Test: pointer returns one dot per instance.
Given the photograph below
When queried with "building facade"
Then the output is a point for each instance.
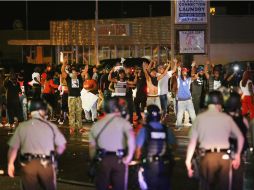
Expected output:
(231, 40)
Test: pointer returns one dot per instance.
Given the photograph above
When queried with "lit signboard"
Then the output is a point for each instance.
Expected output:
(191, 12)
(192, 42)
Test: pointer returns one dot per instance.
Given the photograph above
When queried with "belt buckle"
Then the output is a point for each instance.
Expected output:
(120, 153)
(156, 158)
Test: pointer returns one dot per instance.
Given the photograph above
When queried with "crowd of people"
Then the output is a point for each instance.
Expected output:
(72, 91)
(200, 94)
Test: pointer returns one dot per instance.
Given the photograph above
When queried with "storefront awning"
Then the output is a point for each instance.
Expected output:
(29, 42)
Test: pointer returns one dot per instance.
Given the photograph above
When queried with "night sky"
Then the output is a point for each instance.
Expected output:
(40, 13)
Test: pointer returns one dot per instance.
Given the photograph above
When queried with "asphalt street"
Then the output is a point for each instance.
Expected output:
(73, 164)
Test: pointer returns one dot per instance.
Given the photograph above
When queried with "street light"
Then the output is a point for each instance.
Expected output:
(212, 10)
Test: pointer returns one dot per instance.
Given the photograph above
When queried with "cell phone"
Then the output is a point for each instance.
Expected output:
(236, 68)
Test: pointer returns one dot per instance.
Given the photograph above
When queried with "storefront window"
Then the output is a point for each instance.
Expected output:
(104, 53)
(148, 51)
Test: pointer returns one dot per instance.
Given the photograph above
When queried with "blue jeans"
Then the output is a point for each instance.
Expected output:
(183, 106)
(164, 103)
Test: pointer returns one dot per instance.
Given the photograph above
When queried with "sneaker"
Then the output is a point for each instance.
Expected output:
(82, 130)
(72, 131)
(187, 125)
(60, 122)
(178, 129)
(88, 121)
(53, 119)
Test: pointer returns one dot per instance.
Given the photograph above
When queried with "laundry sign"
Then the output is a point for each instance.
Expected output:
(192, 41)
(191, 12)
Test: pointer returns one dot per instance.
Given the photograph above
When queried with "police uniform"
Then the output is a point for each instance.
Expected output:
(111, 146)
(212, 130)
(154, 140)
(36, 139)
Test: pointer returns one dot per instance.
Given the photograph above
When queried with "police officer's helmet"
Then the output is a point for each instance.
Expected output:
(152, 113)
(37, 104)
(116, 104)
(214, 97)
(233, 104)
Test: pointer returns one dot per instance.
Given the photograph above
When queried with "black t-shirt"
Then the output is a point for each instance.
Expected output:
(129, 89)
(141, 86)
(13, 90)
(104, 82)
(74, 86)
(198, 85)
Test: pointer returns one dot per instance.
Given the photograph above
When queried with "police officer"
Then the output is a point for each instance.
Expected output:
(212, 130)
(153, 143)
(109, 140)
(36, 139)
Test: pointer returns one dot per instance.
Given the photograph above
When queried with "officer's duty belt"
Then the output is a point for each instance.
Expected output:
(102, 153)
(28, 157)
(216, 150)
(154, 159)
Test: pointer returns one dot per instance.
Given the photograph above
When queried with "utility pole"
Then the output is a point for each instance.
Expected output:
(96, 45)
(208, 30)
(27, 36)
(150, 10)
(172, 31)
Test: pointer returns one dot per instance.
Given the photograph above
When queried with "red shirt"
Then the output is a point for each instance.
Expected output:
(49, 87)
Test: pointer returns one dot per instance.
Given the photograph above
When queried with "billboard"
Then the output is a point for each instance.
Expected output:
(191, 12)
(192, 41)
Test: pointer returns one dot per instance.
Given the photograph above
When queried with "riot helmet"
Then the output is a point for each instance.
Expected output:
(37, 104)
(233, 104)
(214, 97)
(116, 104)
(152, 113)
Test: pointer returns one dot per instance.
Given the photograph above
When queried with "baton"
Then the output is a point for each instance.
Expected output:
(126, 175)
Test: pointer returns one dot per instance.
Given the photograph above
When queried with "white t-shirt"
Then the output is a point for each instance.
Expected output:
(37, 76)
(163, 83)
(95, 76)
(216, 84)
(245, 89)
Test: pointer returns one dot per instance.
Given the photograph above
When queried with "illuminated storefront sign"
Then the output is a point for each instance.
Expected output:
(114, 30)
(191, 12)
(192, 41)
